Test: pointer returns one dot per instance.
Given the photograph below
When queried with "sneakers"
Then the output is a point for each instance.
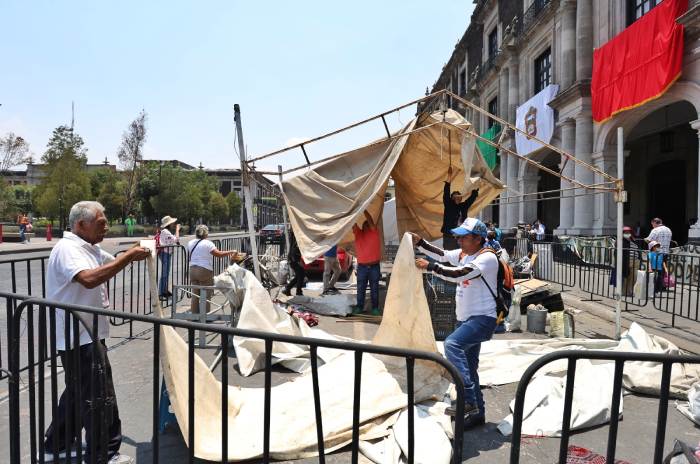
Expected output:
(330, 291)
(473, 421)
(376, 312)
(287, 292)
(469, 410)
(120, 459)
(357, 309)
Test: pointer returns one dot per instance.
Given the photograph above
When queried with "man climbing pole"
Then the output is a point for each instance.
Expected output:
(455, 211)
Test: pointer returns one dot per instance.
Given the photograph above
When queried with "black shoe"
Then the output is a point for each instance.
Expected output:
(287, 292)
(300, 293)
(469, 410)
(333, 291)
(474, 421)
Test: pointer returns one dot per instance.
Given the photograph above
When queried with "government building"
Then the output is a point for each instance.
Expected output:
(520, 51)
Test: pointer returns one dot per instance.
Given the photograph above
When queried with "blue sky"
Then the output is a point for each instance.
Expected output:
(298, 69)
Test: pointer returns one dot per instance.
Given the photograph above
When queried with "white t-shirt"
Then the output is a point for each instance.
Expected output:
(201, 256)
(71, 255)
(473, 298)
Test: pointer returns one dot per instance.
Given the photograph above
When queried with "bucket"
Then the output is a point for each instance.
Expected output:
(536, 319)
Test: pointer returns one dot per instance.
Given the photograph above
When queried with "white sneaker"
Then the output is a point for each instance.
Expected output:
(120, 459)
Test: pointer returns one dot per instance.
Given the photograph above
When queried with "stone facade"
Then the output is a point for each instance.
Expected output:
(660, 136)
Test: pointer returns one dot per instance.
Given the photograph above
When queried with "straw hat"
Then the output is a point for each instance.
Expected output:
(166, 221)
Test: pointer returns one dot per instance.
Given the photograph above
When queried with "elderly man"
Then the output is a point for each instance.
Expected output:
(476, 273)
(77, 273)
(660, 233)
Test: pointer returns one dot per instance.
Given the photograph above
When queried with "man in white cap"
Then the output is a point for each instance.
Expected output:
(476, 274)
(168, 237)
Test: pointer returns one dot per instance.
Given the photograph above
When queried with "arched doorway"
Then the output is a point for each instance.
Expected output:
(548, 186)
(661, 163)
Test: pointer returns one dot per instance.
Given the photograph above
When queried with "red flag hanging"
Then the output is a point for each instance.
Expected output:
(640, 63)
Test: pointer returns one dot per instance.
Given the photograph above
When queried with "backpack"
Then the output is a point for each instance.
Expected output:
(505, 283)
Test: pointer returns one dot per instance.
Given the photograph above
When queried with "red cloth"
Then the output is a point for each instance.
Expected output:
(367, 245)
(640, 63)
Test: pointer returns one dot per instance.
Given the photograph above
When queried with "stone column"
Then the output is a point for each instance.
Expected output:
(513, 89)
(567, 204)
(694, 231)
(584, 39)
(583, 204)
(514, 184)
(527, 210)
(605, 211)
(503, 90)
(567, 12)
(503, 175)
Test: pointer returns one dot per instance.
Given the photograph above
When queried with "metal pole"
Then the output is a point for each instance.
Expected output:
(284, 212)
(245, 185)
(620, 199)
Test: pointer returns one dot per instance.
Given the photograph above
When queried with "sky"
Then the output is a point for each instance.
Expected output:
(297, 69)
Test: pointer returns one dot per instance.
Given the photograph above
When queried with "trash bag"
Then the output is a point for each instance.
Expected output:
(643, 286)
(669, 280)
(513, 321)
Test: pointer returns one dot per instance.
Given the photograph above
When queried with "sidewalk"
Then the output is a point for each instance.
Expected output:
(40, 244)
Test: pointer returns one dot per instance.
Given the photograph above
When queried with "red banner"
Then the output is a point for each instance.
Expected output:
(640, 63)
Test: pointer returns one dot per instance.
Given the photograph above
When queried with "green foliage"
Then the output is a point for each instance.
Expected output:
(234, 206)
(108, 188)
(217, 209)
(66, 181)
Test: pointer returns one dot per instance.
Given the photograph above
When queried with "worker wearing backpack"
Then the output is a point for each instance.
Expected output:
(477, 306)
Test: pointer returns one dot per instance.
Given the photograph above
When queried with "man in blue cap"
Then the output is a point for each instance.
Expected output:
(476, 274)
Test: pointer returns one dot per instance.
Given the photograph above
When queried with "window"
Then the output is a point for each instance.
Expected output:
(543, 70)
(493, 43)
(463, 82)
(493, 109)
(638, 8)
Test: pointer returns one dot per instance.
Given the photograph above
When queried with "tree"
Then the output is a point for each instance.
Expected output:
(130, 154)
(107, 187)
(234, 205)
(14, 150)
(217, 208)
(66, 181)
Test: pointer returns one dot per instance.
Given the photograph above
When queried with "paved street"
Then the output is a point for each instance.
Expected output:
(132, 363)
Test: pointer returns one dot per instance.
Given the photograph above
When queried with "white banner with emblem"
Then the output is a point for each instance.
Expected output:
(536, 118)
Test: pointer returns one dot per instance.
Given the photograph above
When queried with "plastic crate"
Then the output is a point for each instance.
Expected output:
(436, 288)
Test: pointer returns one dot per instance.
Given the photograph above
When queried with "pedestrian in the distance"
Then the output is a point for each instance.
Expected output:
(661, 234)
(657, 265)
(22, 222)
(369, 254)
(296, 263)
(77, 273)
(130, 222)
(331, 271)
(491, 241)
(455, 211)
(168, 237)
(202, 252)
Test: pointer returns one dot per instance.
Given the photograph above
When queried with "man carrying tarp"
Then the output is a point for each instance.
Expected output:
(476, 273)
(455, 211)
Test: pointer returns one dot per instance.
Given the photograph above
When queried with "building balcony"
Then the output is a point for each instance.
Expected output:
(533, 13)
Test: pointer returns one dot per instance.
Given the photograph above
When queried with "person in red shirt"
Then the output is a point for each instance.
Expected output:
(368, 249)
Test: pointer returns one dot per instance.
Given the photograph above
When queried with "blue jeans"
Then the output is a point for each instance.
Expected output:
(22, 231)
(462, 349)
(364, 273)
(164, 272)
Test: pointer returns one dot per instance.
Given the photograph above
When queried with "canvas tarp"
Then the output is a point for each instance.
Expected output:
(406, 323)
(326, 201)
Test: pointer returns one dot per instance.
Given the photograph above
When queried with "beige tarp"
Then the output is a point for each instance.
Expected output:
(325, 202)
(406, 323)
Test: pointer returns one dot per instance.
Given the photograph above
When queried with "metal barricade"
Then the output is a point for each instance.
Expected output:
(26, 429)
(678, 293)
(619, 358)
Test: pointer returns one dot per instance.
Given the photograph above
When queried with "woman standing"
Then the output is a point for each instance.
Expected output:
(202, 252)
(168, 237)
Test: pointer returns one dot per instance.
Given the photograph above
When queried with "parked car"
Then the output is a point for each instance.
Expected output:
(272, 233)
(344, 258)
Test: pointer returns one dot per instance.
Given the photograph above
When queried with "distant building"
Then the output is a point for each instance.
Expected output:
(512, 49)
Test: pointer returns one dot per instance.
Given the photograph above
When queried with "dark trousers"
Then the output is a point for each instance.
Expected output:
(659, 281)
(104, 406)
(372, 274)
(299, 276)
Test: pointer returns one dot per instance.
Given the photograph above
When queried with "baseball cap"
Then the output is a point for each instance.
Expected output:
(652, 244)
(471, 226)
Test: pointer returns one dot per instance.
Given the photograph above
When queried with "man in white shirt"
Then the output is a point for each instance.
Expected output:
(539, 230)
(660, 233)
(77, 273)
(476, 274)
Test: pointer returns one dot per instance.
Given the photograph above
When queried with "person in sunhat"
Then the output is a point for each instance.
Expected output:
(476, 273)
(168, 237)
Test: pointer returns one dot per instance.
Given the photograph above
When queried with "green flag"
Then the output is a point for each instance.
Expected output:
(489, 152)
